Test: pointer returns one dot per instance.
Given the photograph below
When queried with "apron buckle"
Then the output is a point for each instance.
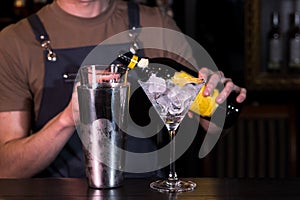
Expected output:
(51, 56)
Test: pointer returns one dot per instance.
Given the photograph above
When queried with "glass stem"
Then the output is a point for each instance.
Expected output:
(172, 174)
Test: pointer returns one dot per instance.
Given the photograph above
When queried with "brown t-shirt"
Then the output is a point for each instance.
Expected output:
(22, 58)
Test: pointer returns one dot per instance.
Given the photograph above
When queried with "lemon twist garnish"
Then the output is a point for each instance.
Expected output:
(182, 78)
(205, 105)
(202, 105)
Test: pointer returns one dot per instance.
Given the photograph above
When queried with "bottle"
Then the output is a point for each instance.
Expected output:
(131, 60)
(294, 43)
(167, 69)
(145, 67)
(275, 45)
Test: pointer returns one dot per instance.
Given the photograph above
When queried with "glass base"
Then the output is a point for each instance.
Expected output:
(170, 186)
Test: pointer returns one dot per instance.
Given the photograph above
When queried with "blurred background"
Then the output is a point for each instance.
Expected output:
(252, 42)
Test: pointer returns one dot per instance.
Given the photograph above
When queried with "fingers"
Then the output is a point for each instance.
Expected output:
(211, 78)
(242, 95)
(228, 88)
(108, 78)
(102, 76)
(214, 78)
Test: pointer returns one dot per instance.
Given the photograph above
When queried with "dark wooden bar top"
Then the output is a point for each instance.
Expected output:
(207, 188)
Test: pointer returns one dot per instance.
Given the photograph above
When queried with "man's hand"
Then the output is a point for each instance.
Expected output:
(215, 78)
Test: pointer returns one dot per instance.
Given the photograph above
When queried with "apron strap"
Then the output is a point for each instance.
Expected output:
(134, 24)
(133, 15)
(38, 28)
(41, 36)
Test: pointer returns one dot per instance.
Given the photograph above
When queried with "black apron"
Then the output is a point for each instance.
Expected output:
(57, 92)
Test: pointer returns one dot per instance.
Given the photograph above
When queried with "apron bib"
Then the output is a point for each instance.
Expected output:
(61, 67)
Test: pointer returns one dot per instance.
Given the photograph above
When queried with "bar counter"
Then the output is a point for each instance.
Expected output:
(207, 188)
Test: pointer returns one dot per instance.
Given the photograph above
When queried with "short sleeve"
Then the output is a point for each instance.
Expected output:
(14, 87)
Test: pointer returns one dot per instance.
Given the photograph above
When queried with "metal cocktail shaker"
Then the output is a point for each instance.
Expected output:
(103, 120)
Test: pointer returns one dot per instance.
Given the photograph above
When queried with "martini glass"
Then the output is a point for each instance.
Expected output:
(171, 101)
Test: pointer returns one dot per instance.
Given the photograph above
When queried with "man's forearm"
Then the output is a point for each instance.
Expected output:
(24, 157)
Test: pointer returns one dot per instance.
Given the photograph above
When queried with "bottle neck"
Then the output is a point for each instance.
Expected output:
(297, 19)
(132, 61)
(275, 19)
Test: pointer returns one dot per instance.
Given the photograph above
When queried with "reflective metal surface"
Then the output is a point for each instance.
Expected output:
(102, 125)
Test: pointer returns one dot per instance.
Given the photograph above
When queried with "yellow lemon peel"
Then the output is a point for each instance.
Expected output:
(182, 78)
(202, 105)
(205, 105)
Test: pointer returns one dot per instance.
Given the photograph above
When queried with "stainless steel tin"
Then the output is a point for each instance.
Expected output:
(103, 122)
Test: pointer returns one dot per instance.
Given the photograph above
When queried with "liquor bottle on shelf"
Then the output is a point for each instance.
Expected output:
(294, 43)
(169, 69)
(275, 45)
